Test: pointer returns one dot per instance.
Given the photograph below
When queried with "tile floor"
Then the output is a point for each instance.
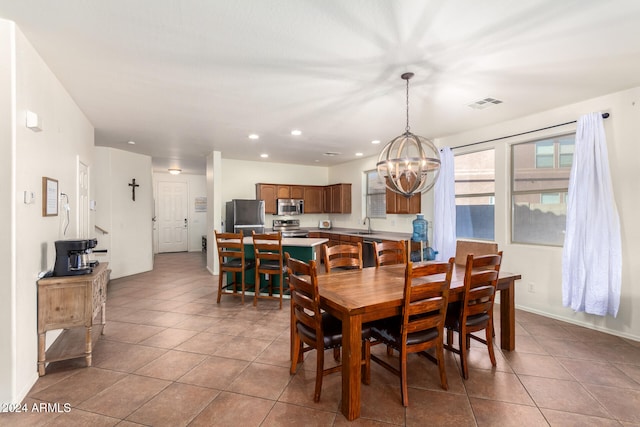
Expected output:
(171, 356)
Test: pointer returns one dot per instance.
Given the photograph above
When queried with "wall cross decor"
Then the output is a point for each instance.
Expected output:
(133, 186)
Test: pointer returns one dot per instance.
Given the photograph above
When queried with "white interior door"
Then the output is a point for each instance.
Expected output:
(83, 201)
(172, 217)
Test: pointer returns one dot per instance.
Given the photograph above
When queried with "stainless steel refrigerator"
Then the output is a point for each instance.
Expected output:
(243, 216)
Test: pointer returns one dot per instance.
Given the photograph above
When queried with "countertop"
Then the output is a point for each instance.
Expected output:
(375, 235)
(304, 242)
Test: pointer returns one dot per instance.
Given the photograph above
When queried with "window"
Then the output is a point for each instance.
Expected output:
(475, 195)
(539, 185)
(376, 195)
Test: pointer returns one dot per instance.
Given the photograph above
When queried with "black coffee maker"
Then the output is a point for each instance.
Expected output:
(72, 257)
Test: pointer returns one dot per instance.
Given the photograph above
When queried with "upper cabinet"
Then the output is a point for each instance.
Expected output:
(268, 193)
(337, 198)
(283, 192)
(313, 199)
(297, 192)
(399, 204)
(317, 199)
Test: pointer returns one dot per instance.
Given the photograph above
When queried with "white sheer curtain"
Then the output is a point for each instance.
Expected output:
(592, 254)
(444, 216)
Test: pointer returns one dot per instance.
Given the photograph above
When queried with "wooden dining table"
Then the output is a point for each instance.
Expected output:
(360, 296)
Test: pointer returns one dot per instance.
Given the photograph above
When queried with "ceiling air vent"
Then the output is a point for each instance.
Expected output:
(331, 153)
(484, 103)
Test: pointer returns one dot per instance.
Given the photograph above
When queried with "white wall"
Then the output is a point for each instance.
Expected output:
(7, 208)
(65, 139)
(128, 222)
(196, 187)
(541, 265)
(239, 180)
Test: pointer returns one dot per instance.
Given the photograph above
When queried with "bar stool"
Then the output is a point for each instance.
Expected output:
(267, 249)
(231, 258)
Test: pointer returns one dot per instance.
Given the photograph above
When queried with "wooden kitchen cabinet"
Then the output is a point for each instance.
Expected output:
(399, 204)
(283, 192)
(297, 192)
(313, 199)
(317, 199)
(337, 198)
(69, 303)
(268, 193)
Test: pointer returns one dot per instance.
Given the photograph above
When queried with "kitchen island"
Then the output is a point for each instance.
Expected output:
(302, 248)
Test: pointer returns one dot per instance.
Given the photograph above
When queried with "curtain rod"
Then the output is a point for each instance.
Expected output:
(604, 116)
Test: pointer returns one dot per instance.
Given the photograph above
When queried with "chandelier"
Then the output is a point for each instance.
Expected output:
(409, 164)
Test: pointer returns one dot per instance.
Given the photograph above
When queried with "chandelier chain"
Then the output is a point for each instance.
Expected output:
(407, 127)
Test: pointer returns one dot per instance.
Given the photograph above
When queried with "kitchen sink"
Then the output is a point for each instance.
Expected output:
(365, 232)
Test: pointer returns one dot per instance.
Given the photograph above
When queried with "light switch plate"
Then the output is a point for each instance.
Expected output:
(29, 197)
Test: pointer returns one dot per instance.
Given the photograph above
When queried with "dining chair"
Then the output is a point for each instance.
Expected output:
(421, 324)
(466, 247)
(232, 261)
(476, 311)
(267, 249)
(343, 256)
(313, 329)
(390, 252)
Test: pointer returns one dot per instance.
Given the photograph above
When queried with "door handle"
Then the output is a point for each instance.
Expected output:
(185, 222)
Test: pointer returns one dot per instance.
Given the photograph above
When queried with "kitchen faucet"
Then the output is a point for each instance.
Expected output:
(367, 220)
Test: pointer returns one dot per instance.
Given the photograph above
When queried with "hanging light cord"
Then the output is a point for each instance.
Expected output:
(407, 127)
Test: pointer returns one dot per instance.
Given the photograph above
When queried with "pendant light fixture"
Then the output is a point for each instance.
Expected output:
(409, 164)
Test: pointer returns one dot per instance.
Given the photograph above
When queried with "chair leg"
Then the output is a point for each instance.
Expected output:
(297, 351)
(403, 378)
(463, 352)
(336, 354)
(366, 368)
(443, 372)
(281, 280)
(389, 350)
(220, 279)
(242, 286)
(492, 354)
(319, 373)
(256, 288)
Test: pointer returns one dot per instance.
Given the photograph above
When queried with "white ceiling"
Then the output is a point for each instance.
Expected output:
(184, 78)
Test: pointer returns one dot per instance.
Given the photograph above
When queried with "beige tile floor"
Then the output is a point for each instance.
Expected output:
(171, 356)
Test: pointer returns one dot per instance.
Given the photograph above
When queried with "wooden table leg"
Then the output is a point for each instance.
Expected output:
(351, 373)
(87, 350)
(508, 317)
(41, 352)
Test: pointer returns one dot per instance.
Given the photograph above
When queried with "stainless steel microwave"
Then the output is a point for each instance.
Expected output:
(290, 206)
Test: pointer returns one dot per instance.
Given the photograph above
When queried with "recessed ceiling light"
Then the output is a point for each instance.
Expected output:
(359, 154)
(254, 136)
(175, 171)
(131, 143)
(296, 132)
(264, 155)
(375, 141)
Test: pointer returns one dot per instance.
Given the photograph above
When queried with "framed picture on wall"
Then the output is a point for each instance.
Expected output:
(49, 196)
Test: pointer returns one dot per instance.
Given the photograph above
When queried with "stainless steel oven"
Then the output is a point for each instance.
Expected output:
(290, 207)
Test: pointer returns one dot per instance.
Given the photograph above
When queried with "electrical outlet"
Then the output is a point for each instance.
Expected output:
(531, 287)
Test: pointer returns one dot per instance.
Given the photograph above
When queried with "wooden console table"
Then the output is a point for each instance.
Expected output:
(68, 302)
